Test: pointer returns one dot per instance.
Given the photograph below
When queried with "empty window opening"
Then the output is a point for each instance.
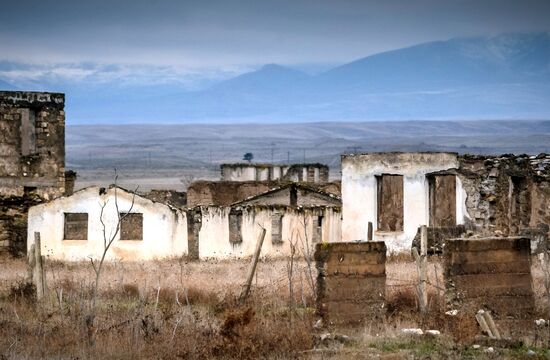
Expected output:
(520, 204)
(318, 229)
(235, 226)
(131, 226)
(293, 196)
(276, 228)
(76, 226)
(442, 200)
(28, 132)
(390, 202)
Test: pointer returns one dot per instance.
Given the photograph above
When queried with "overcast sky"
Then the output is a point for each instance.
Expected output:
(228, 36)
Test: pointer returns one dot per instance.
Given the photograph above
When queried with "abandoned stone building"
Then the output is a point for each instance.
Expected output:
(225, 193)
(292, 213)
(71, 227)
(32, 159)
(398, 192)
(312, 173)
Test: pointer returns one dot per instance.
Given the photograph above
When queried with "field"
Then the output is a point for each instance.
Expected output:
(177, 309)
(169, 156)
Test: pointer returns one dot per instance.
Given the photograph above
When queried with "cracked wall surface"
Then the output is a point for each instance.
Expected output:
(491, 195)
(32, 159)
(507, 193)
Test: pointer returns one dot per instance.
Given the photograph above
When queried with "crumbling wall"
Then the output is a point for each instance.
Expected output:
(491, 274)
(313, 173)
(228, 232)
(295, 194)
(173, 198)
(437, 237)
(32, 158)
(225, 193)
(351, 282)
(507, 193)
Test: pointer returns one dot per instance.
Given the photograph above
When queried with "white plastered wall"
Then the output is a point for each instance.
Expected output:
(164, 228)
(359, 193)
(214, 234)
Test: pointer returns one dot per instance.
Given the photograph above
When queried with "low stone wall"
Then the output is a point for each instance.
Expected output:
(351, 282)
(491, 274)
(437, 236)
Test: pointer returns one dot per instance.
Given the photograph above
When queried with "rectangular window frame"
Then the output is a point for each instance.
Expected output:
(69, 223)
(277, 228)
(318, 228)
(126, 220)
(386, 184)
(435, 210)
(235, 223)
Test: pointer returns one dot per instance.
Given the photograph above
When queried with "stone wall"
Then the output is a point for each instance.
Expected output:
(174, 198)
(491, 274)
(32, 158)
(351, 282)
(224, 193)
(507, 193)
(312, 173)
(231, 232)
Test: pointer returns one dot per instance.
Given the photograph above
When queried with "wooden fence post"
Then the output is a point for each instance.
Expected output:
(38, 271)
(422, 268)
(369, 232)
(252, 269)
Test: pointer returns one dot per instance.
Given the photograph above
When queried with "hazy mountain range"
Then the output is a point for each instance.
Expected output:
(501, 77)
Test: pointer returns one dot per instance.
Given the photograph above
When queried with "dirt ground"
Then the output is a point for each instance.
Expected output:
(184, 309)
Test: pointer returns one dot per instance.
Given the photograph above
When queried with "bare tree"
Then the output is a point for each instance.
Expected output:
(187, 180)
(308, 254)
(290, 273)
(108, 240)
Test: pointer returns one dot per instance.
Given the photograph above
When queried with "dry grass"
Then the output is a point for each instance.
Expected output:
(161, 309)
(177, 309)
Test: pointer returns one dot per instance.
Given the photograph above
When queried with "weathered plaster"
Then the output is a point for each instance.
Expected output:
(164, 227)
(32, 159)
(214, 234)
(359, 193)
(315, 173)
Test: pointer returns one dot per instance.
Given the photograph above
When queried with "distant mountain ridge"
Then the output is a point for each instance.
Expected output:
(501, 77)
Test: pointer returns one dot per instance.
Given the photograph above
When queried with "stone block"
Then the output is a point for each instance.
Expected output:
(351, 282)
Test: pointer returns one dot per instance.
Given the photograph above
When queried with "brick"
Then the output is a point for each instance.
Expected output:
(490, 267)
(491, 256)
(485, 244)
(345, 268)
(346, 288)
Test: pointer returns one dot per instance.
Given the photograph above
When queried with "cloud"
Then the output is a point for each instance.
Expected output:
(229, 34)
(65, 76)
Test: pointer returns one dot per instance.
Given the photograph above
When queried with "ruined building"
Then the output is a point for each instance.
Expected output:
(32, 159)
(240, 181)
(312, 173)
(398, 192)
(71, 227)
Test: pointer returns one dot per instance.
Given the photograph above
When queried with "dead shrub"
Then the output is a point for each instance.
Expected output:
(235, 318)
(463, 328)
(401, 298)
(126, 291)
(399, 257)
(130, 291)
(198, 296)
(187, 296)
(23, 291)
